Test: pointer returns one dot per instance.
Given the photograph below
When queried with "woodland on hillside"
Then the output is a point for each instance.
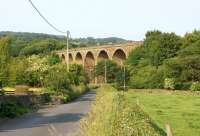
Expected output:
(35, 43)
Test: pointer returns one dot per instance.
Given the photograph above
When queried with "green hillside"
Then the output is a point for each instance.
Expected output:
(35, 43)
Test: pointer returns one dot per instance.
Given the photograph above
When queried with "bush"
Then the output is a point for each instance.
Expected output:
(183, 86)
(12, 110)
(65, 98)
(53, 59)
(57, 78)
(146, 77)
(169, 83)
(195, 86)
(1, 92)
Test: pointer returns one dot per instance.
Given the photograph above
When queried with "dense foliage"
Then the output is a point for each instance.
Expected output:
(45, 70)
(114, 73)
(11, 110)
(4, 58)
(111, 69)
(165, 56)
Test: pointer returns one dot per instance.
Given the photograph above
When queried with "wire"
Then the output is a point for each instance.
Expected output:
(45, 19)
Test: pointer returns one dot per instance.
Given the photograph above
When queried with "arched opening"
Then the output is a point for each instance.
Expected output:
(79, 58)
(103, 55)
(89, 60)
(90, 66)
(63, 57)
(119, 56)
(70, 58)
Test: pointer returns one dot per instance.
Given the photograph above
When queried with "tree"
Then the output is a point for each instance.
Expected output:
(4, 58)
(57, 78)
(145, 63)
(17, 71)
(161, 46)
(41, 47)
(53, 59)
(112, 70)
(78, 75)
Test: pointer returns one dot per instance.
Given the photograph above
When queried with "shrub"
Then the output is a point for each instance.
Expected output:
(2, 92)
(183, 86)
(195, 86)
(146, 77)
(169, 83)
(53, 59)
(12, 110)
(57, 78)
(65, 98)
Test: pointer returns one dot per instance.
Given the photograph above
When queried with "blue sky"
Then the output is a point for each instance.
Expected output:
(128, 19)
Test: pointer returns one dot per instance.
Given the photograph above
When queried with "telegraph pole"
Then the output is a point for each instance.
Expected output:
(124, 78)
(55, 28)
(67, 36)
(105, 73)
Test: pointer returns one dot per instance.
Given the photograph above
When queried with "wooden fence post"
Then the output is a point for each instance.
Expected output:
(138, 102)
(168, 130)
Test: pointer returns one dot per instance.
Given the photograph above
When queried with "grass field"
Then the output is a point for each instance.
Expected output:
(180, 110)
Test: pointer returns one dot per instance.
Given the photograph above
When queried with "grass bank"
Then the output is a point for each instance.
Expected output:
(113, 115)
(180, 109)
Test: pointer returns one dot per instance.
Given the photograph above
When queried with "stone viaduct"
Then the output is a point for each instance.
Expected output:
(89, 56)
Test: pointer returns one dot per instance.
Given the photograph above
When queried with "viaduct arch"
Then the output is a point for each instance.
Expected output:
(89, 56)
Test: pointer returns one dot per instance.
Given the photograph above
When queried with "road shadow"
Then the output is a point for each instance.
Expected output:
(58, 115)
(90, 96)
(38, 120)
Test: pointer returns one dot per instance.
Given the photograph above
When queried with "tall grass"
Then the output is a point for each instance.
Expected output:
(111, 115)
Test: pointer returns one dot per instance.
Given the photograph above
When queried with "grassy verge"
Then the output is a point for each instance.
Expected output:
(180, 110)
(112, 115)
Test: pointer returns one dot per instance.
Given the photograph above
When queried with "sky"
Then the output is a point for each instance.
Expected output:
(129, 19)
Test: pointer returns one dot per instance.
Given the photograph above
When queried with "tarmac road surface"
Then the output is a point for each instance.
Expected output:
(61, 120)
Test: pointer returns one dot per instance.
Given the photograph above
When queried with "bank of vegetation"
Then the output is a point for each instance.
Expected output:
(163, 61)
(166, 60)
(44, 70)
(113, 115)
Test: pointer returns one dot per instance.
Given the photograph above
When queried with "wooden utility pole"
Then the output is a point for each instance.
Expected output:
(68, 50)
(168, 130)
(124, 78)
(105, 73)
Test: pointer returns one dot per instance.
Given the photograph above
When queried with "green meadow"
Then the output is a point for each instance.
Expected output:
(180, 110)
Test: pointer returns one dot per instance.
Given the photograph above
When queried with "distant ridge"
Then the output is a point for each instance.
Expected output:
(21, 40)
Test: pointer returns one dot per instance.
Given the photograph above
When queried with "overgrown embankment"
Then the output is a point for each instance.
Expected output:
(112, 115)
(12, 106)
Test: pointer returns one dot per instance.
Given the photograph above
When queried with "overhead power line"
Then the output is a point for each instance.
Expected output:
(45, 19)
(67, 34)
